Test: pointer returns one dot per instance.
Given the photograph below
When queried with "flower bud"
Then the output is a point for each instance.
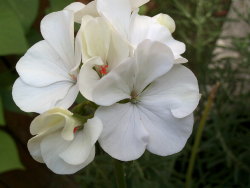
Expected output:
(63, 142)
(166, 21)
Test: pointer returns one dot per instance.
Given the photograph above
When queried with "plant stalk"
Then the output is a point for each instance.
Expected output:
(119, 174)
(198, 136)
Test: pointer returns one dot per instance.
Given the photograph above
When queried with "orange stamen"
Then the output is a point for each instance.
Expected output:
(75, 129)
(103, 69)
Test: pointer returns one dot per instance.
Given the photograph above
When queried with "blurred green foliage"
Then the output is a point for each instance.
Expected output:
(2, 120)
(16, 35)
(223, 159)
(9, 159)
(56, 5)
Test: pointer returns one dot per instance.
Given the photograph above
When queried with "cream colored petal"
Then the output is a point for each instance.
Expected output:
(166, 21)
(97, 37)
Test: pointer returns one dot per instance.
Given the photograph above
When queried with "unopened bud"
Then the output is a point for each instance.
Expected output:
(166, 21)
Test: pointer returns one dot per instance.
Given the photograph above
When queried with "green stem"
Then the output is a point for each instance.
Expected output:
(198, 136)
(119, 174)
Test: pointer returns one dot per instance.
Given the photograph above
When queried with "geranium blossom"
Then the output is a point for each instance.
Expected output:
(62, 142)
(106, 41)
(135, 28)
(158, 116)
(123, 17)
(128, 64)
(48, 71)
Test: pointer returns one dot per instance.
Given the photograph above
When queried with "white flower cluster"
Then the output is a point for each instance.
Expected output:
(127, 64)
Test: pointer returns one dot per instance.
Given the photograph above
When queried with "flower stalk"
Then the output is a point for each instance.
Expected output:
(119, 174)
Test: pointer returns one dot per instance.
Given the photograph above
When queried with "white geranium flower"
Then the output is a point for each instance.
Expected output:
(109, 34)
(102, 50)
(48, 71)
(61, 142)
(136, 28)
(162, 96)
(133, 28)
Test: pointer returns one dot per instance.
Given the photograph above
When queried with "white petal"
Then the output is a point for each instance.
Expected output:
(41, 99)
(34, 148)
(115, 86)
(151, 60)
(88, 77)
(143, 27)
(49, 121)
(89, 9)
(96, 35)
(51, 147)
(177, 90)
(57, 29)
(137, 3)
(78, 55)
(176, 46)
(41, 66)
(68, 127)
(79, 150)
(180, 59)
(117, 13)
(69, 98)
(75, 7)
(123, 136)
(168, 135)
(118, 50)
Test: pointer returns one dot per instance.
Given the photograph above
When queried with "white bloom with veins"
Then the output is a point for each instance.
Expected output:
(48, 71)
(136, 28)
(61, 142)
(162, 96)
(109, 34)
(122, 16)
(102, 50)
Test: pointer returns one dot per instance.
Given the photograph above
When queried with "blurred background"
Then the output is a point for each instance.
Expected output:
(217, 36)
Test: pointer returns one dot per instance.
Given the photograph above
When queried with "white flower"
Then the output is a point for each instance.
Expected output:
(102, 50)
(101, 46)
(61, 142)
(136, 28)
(48, 71)
(158, 117)
(132, 28)
(109, 34)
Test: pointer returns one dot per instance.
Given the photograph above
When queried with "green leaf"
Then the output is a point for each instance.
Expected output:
(9, 159)
(2, 120)
(6, 81)
(34, 36)
(56, 5)
(25, 10)
(12, 39)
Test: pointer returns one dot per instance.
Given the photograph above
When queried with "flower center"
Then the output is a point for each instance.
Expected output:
(74, 77)
(75, 129)
(134, 97)
(103, 70)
